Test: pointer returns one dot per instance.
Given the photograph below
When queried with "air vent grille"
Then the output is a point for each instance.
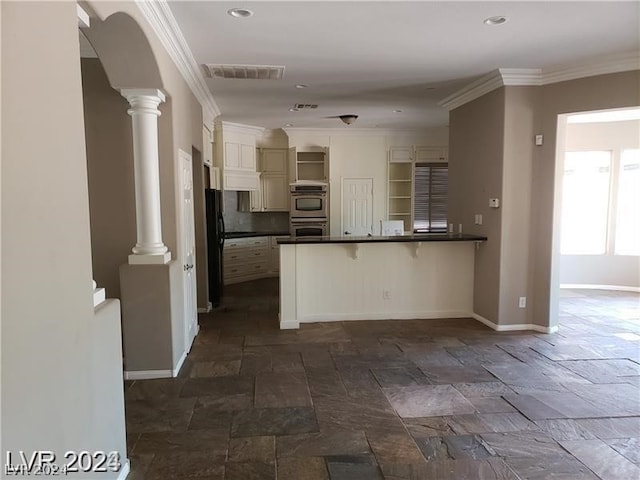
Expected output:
(300, 106)
(245, 72)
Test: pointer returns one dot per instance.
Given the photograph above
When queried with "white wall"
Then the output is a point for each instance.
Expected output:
(361, 154)
(608, 269)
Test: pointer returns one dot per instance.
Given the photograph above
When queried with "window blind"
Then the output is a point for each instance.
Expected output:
(430, 197)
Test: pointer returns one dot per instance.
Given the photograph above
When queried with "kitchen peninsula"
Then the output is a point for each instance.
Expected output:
(418, 276)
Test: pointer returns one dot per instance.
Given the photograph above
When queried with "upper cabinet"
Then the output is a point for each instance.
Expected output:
(235, 155)
(400, 154)
(273, 195)
(310, 164)
(273, 160)
(430, 154)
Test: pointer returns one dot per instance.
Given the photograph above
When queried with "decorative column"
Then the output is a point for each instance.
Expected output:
(144, 113)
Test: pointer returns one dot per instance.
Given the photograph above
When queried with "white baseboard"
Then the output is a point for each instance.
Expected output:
(345, 317)
(147, 374)
(178, 366)
(589, 286)
(293, 324)
(206, 310)
(514, 327)
(124, 471)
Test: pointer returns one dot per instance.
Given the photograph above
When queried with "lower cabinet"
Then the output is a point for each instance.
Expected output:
(250, 258)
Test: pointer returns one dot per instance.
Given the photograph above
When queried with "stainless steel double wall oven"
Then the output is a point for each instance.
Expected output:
(308, 209)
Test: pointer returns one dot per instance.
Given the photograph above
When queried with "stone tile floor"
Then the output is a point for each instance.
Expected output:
(432, 399)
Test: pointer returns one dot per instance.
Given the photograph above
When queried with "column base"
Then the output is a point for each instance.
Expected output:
(146, 259)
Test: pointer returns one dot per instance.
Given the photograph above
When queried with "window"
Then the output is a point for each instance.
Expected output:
(627, 233)
(585, 203)
(601, 203)
(430, 197)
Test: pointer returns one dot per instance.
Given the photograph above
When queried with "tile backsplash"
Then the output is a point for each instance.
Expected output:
(236, 221)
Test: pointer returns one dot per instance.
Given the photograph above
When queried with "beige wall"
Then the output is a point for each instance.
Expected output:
(49, 353)
(520, 125)
(593, 93)
(179, 128)
(608, 269)
(492, 154)
(110, 169)
(362, 155)
(476, 151)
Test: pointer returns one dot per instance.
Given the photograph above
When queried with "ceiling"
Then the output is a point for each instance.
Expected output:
(371, 58)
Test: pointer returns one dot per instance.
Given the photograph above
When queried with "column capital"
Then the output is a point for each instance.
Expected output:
(145, 94)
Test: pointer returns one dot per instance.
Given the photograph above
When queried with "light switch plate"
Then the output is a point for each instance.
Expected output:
(478, 219)
(539, 139)
(494, 202)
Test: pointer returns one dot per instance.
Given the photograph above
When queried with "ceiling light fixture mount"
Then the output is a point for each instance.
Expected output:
(302, 85)
(240, 12)
(348, 119)
(497, 20)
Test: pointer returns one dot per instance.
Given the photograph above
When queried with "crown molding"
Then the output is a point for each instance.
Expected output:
(164, 24)
(535, 77)
(622, 62)
(476, 89)
(358, 131)
(237, 128)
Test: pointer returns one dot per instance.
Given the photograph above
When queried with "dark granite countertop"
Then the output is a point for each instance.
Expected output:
(417, 237)
(254, 234)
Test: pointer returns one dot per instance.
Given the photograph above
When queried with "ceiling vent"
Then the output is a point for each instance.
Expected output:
(307, 106)
(245, 72)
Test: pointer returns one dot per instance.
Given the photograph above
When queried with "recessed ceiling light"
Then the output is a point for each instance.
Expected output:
(397, 111)
(288, 125)
(240, 12)
(302, 85)
(294, 109)
(497, 20)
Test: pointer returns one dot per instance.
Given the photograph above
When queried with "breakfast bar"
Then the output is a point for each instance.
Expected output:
(420, 276)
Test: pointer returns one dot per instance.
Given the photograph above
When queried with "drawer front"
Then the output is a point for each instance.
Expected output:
(245, 255)
(248, 269)
(235, 243)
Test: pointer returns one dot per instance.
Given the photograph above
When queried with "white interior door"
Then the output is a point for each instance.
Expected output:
(357, 206)
(188, 250)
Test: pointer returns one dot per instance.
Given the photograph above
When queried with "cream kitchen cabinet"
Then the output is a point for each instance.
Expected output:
(238, 156)
(235, 155)
(250, 258)
(400, 154)
(273, 195)
(275, 192)
(310, 164)
(245, 259)
(273, 160)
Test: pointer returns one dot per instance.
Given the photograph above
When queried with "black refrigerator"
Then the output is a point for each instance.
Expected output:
(215, 243)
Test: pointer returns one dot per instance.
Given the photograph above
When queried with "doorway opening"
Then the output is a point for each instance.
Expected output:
(597, 212)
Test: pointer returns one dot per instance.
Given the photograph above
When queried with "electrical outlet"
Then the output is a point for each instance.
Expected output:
(386, 294)
(522, 302)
